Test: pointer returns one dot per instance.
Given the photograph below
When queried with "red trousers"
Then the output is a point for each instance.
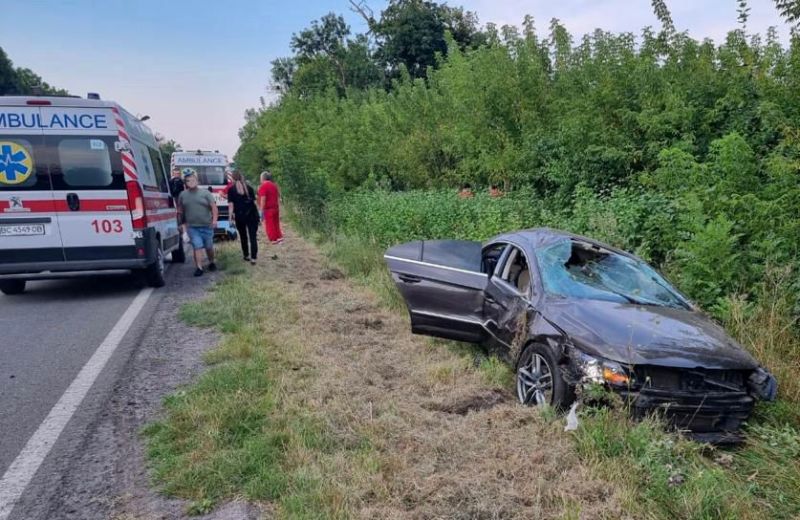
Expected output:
(272, 224)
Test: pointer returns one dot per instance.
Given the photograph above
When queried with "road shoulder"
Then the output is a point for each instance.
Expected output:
(100, 472)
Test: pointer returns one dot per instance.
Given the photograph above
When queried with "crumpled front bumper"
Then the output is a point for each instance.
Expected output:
(715, 417)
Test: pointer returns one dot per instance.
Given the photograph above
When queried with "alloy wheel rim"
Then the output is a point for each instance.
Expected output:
(535, 382)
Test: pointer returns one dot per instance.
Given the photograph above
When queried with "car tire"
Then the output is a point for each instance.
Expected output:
(155, 272)
(179, 255)
(11, 287)
(539, 381)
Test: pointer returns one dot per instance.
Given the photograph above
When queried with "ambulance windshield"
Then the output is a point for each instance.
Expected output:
(210, 175)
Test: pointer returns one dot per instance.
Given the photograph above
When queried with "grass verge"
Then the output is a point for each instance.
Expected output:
(243, 429)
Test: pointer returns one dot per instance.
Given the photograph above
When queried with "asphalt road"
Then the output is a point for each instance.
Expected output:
(47, 335)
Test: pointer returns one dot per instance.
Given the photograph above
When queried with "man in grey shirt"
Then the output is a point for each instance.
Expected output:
(198, 213)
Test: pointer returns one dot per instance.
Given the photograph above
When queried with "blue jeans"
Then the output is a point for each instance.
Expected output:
(201, 237)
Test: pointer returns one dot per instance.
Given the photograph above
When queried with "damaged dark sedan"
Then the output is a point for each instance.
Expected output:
(570, 312)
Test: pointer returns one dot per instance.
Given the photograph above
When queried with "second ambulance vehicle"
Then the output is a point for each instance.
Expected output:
(82, 189)
(210, 168)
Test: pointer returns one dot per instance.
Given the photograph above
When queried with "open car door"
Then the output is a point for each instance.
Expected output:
(442, 284)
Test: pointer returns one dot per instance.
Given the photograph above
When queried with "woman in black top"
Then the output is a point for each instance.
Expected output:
(242, 206)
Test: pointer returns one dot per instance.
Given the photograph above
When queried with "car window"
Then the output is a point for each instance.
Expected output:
(85, 162)
(158, 169)
(516, 271)
(578, 269)
(491, 257)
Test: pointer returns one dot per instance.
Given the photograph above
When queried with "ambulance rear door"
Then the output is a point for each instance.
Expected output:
(88, 184)
(29, 230)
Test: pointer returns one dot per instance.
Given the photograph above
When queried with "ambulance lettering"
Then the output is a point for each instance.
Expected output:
(63, 121)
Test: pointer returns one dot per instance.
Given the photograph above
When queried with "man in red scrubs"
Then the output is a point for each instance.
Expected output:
(269, 203)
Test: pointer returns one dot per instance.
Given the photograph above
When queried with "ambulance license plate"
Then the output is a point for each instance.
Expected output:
(21, 230)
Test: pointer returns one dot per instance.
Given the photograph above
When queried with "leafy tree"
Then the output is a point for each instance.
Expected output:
(412, 33)
(21, 81)
(283, 70)
(325, 57)
(789, 9)
(8, 76)
(27, 81)
(167, 147)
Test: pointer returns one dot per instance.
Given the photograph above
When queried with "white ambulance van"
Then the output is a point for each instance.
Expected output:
(211, 169)
(82, 189)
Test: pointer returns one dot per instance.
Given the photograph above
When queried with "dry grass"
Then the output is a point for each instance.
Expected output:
(372, 380)
(768, 330)
(373, 422)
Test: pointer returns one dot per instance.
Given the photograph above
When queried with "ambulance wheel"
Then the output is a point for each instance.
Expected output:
(154, 273)
(179, 255)
(12, 286)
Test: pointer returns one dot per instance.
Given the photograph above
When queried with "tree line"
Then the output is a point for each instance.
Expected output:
(684, 150)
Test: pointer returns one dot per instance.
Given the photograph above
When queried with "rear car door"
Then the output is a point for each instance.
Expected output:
(89, 186)
(29, 231)
(442, 284)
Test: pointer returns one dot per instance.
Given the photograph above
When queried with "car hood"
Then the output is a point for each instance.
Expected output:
(647, 334)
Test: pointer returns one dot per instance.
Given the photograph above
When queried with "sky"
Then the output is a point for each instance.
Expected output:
(195, 66)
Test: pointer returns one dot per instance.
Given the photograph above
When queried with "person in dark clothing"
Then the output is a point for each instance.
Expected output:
(176, 185)
(242, 206)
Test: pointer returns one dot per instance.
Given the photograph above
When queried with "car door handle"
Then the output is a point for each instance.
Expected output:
(489, 299)
(409, 279)
(73, 202)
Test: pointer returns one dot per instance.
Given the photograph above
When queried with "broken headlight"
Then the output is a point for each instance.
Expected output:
(603, 371)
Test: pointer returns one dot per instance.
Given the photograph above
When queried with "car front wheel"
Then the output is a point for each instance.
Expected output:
(539, 380)
(12, 286)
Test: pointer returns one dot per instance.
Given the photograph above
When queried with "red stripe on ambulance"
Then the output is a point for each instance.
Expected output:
(61, 206)
(128, 164)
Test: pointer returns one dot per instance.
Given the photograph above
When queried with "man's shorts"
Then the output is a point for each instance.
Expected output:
(201, 237)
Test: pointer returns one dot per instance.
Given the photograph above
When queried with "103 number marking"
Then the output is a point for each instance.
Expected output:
(107, 226)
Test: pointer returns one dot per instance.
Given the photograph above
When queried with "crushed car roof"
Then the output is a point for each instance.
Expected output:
(538, 237)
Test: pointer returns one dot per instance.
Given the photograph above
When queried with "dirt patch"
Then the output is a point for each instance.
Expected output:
(464, 405)
(331, 274)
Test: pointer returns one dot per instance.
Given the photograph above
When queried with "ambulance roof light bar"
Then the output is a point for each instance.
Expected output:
(38, 102)
(93, 95)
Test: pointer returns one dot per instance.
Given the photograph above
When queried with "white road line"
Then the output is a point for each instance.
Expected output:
(22, 470)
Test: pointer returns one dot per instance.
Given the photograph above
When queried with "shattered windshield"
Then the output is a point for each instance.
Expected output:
(581, 270)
